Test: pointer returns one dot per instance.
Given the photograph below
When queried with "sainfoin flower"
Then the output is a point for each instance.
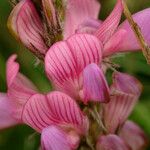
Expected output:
(122, 134)
(74, 66)
(52, 114)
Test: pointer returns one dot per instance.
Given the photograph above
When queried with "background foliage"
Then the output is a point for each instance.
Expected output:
(23, 137)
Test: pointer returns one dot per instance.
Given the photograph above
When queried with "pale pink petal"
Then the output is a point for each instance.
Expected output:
(109, 26)
(6, 118)
(26, 25)
(66, 60)
(12, 69)
(129, 42)
(125, 92)
(95, 86)
(89, 26)
(133, 135)
(55, 108)
(19, 87)
(114, 42)
(78, 11)
(111, 142)
(53, 138)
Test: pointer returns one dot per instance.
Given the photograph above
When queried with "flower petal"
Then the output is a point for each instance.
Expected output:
(111, 142)
(114, 42)
(89, 26)
(25, 25)
(109, 26)
(125, 93)
(12, 69)
(130, 42)
(66, 60)
(133, 135)
(126, 83)
(95, 86)
(55, 108)
(19, 87)
(6, 119)
(78, 11)
(53, 138)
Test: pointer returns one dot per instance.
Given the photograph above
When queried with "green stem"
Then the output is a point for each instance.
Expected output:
(99, 119)
(89, 143)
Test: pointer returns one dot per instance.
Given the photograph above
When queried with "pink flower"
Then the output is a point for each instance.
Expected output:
(122, 134)
(51, 114)
(117, 38)
(125, 92)
(72, 66)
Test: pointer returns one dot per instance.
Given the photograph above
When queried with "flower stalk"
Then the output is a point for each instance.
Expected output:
(137, 31)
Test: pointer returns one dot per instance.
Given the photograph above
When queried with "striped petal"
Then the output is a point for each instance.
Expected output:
(57, 108)
(125, 93)
(19, 87)
(77, 12)
(111, 142)
(124, 40)
(129, 42)
(133, 135)
(65, 61)
(25, 24)
(6, 119)
(110, 25)
(114, 42)
(95, 86)
(53, 138)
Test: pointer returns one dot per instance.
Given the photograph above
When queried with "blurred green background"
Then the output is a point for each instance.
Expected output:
(23, 137)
